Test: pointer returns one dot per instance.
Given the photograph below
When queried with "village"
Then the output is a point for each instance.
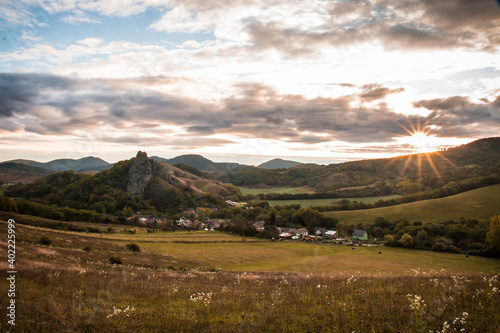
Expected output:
(199, 220)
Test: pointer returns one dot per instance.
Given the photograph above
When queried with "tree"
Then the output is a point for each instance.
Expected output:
(493, 236)
(133, 247)
(45, 240)
(406, 240)
(127, 212)
(378, 232)
(421, 237)
(407, 186)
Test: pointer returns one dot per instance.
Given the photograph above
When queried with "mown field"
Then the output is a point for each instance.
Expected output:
(482, 203)
(306, 203)
(289, 190)
(215, 282)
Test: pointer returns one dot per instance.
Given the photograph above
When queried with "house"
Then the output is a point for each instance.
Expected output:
(301, 232)
(216, 223)
(183, 222)
(330, 234)
(259, 225)
(360, 235)
(320, 232)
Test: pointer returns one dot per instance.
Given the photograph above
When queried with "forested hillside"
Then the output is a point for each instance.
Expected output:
(137, 184)
(457, 169)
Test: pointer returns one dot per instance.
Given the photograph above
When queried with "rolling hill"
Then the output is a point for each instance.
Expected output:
(78, 165)
(20, 173)
(139, 183)
(199, 162)
(478, 204)
(278, 163)
(426, 171)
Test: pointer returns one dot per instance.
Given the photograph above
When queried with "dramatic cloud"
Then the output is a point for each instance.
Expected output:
(459, 117)
(67, 105)
(280, 77)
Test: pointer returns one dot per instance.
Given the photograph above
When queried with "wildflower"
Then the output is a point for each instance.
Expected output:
(117, 311)
(204, 297)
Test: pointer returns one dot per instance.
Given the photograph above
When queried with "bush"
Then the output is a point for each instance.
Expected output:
(45, 240)
(133, 247)
(115, 260)
(439, 247)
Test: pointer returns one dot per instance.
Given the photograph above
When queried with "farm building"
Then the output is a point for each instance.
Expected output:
(330, 234)
(360, 235)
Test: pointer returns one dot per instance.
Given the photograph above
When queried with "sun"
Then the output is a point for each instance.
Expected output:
(420, 138)
(426, 150)
(422, 142)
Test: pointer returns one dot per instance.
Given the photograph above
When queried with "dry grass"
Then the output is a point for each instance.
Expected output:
(242, 286)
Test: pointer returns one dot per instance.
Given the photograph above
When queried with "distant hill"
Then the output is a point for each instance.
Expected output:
(20, 173)
(139, 184)
(484, 152)
(78, 165)
(199, 162)
(278, 163)
(471, 163)
(479, 204)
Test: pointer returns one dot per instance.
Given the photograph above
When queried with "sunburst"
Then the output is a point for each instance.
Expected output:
(420, 138)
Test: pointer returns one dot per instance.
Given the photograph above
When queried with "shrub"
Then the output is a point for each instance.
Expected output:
(133, 247)
(439, 247)
(115, 260)
(45, 240)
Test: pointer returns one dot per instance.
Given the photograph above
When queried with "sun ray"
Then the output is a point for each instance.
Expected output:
(446, 159)
(408, 161)
(434, 168)
(419, 167)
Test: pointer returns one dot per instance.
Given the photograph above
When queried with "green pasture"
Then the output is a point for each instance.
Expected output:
(214, 251)
(288, 190)
(478, 204)
(306, 203)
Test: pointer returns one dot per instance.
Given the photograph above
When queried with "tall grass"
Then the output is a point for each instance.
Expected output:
(170, 287)
(125, 299)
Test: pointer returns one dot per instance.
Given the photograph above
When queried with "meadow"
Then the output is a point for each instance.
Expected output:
(216, 282)
(307, 203)
(478, 204)
(290, 190)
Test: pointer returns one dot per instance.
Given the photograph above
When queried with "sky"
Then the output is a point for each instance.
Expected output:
(246, 81)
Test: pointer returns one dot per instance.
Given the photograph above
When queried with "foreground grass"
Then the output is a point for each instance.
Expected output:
(224, 283)
(477, 204)
(214, 251)
(128, 299)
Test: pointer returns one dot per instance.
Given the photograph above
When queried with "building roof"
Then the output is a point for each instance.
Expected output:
(359, 233)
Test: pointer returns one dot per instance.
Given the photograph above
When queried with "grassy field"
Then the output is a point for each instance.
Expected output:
(215, 282)
(477, 204)
(325, 202)
(289, 190)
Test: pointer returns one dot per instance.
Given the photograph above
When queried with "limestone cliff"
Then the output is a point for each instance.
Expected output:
(146, 177)
(139, 175)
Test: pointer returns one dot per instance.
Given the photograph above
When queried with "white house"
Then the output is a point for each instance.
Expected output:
(331, 234)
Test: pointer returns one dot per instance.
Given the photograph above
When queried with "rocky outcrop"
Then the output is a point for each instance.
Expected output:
(140, 173)
(147, 176)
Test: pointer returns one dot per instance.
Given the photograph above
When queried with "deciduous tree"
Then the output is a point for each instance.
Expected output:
(493, 235)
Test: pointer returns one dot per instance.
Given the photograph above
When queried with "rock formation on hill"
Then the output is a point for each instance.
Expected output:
(139, 175)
